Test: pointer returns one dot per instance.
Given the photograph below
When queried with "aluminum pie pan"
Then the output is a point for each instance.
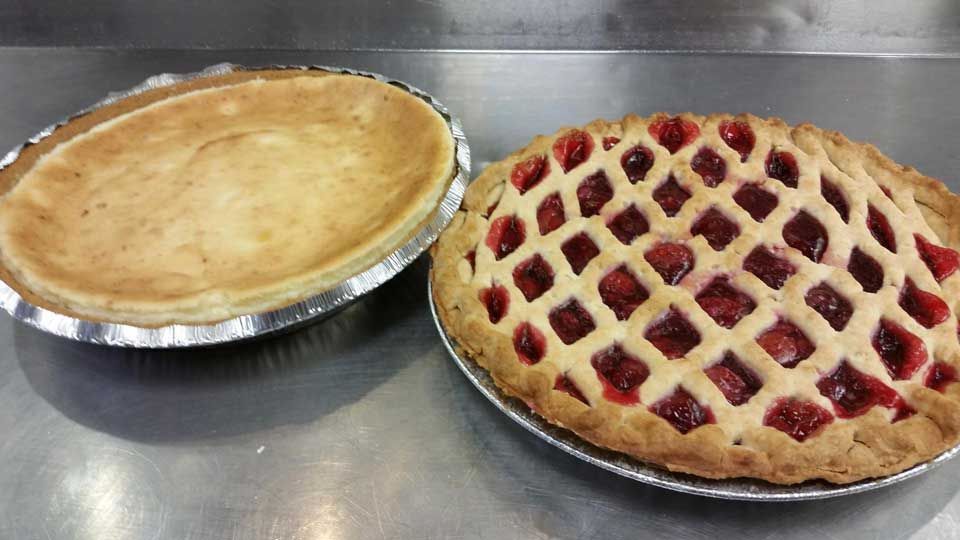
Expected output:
(742, 489)
(262, 324)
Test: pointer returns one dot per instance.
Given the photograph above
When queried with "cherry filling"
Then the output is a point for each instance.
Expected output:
(736, 382)
(550, 214)
(880, 229)
(782, 166)
(670, 196)
(757, 201)
(786, 343)
(471, 258)
(594, 192)
(866, 270)
(579, 250)
(939, 376)
(830, 304)
(671, 261)
(710, 166)
(673, 335)
(505, 236)
(804, 233)
(533, 277)
(621, 374)
(771, 270)
(673, 134)
(725, 304)
(529, 173)
(901, 352)
(833, 195)
(572, 149)
(571, 322)
(622, 292)
(610, 142)
(798, 419)
(739, 137)
(925, 308)
(636, 162)
(565, 385)
(854, 393)
(628, 225)
(682, 411)
(715, 228)
(497, 301)
(529, 343)
(940, 260)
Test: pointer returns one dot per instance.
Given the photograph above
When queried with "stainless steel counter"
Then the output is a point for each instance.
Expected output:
(361, 427)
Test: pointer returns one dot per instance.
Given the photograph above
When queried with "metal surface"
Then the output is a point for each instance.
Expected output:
(740, 489)
(877, 26)
(361, 426)
(259, 324)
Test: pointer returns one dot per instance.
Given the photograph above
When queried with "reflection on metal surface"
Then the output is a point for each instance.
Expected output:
(260, 324)
(738, 488)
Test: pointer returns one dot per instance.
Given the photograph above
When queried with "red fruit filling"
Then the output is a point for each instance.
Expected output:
(833, 195)
(866, 270)
(579, 250)
(673, 335)
(529, 173)
(901, 352)
(671, 261)
(925, 308)
(771, 269)
(682, 411)
(736, 382)
(724, 303)
(610, 142)
(636, 162)
(710, 166)
(565, 385)
(497, 301)
(670, 196)
(716, 228)
(782, 166)
(739, 137)
(571, 322)
(854, 393)
(628, 225)
(622, 292)
(529, 343)
(505, 236)
(757, 201)
(550, 214)
(533, 277)
(621, 374)
(471, 258)
(673, 134)
(880, 229)
(830, 304)
(786, 343)
(594, 192)
(940, 260)
(572, 149)
(798, 419)
(939, 376)
(804, 233)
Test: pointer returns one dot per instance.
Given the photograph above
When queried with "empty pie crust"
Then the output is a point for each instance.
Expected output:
(725, 296)
(220, 196)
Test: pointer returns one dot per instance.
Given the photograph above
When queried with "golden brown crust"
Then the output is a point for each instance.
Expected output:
(221, 196)
(738, 445)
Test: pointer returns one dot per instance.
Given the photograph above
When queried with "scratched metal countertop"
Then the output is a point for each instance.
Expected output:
(361, 426)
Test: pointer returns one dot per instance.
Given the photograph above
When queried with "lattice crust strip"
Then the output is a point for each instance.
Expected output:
(704, 292)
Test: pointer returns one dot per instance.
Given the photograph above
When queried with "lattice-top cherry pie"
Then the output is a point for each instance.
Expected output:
(725, 296)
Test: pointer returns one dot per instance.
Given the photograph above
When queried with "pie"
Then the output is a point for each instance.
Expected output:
(221, 196)
(724, 296)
